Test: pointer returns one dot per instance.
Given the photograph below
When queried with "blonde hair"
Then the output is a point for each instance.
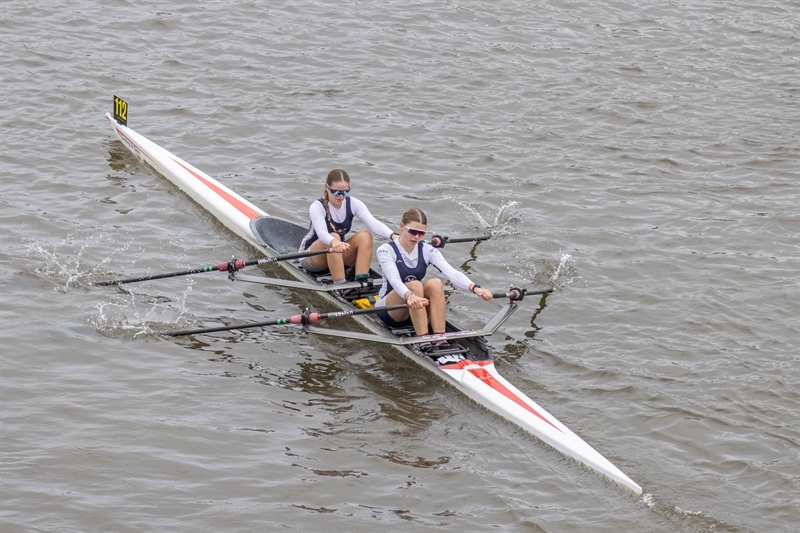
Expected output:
(414, 215)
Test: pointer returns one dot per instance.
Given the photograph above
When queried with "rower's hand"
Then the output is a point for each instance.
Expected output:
(338, 247)
(485, 294)
(417, 302)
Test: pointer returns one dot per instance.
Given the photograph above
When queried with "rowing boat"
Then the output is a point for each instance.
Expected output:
(474, 373)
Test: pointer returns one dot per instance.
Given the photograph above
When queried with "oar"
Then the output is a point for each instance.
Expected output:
(437, 241)
(516, 294)
(231, 266)
(304, 319)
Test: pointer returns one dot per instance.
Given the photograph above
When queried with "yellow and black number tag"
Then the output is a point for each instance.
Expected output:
(120, 110)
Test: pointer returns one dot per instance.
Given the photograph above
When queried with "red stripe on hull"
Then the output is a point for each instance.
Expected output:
(243, 208)
(485, 376)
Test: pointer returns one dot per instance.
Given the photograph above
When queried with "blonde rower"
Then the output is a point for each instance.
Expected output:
(331, 220)
(404, 263)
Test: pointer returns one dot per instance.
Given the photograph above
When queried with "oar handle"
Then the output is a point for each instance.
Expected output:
(437, 241)
(516, 294)
(231, 266)
(303, 319)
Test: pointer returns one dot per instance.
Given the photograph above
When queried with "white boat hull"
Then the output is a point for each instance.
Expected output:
(478, 380)
(481, 381)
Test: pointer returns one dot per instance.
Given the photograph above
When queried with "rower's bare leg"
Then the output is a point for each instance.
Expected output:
(360, 252)
(335, 263)
(419, 317)
(321, 260)
(433, 290)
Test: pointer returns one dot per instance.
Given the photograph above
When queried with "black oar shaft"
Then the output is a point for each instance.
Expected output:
(307, 318)
(156, 276)
(468, 239)
(302, 319)
(437, 241)
(227, 328)
(230, 266)
(519, 294)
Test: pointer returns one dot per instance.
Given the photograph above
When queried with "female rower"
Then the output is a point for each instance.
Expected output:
(331, 220)
(404, 263)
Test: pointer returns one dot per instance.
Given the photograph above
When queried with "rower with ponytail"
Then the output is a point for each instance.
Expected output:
(331, 220)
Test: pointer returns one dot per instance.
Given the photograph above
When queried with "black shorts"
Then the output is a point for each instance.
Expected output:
(391, 322)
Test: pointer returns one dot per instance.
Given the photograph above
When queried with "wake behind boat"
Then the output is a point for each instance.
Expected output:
(472, 371)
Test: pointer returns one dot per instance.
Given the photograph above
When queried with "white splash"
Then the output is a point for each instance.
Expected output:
(132, 314)
(689, 513)
(69, 267)
(649, 500)
(562, 268)
(503, 222)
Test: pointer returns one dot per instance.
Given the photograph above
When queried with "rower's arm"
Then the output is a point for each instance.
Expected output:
(386, 260)
(320, 224)
(361, 211)
(435, 258)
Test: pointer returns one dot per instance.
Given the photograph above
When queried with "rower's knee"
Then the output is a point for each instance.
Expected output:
(415, 286)
(361, 238)
(434, 286)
